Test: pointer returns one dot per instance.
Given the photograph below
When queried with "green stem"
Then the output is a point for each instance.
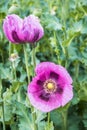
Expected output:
(26, 62)
(14, 70)
(64, 118)
(3, 114)
(2, 105)
(76, 70)
(9, 49)
(66, 57)
(34, 65)
(34, 118)
(13, 63)
(57, 47)
(33, 58)
(48, 120)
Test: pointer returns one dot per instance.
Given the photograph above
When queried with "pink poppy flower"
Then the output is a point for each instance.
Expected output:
(33, 30)
(18, 30)
(51, 87)
(12, 25)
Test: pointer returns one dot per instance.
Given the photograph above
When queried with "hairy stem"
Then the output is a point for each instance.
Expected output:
(34, 118)
(76, 70)
(33, 58)
(48, 120)
(26, 62)
(9, 49)
(64, 119)
(66, 58)
(14, 70)
(34, 65)
(3, 114)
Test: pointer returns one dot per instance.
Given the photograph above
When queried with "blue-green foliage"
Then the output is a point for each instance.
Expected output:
(64, 42)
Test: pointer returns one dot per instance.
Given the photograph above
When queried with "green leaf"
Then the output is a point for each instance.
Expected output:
(50, 126)
(72, 35)
(25, 120)
(83, 92)
(5, 72)
(52, 23)
(56, 117)
(40, 116)
(16, 85)
(85, 117)
(1, 101)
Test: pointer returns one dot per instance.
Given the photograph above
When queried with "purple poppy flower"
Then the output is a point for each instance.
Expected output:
(51, 87)
(32, 29)
(12, 26)
(18, 30)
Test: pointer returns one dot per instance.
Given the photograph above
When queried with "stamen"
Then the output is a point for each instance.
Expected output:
(50, 86)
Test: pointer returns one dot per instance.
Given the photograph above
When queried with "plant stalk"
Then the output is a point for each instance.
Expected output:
(26, 62)
(9, 49)
(34, 65)
(3, 114)
(76, 71)
(64, 118)
(48, 120)
(14, 70)
(33, 58)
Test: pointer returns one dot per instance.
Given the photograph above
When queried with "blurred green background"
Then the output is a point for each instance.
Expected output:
(64, 42)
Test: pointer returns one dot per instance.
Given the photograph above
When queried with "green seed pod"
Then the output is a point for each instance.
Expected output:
(14, 9)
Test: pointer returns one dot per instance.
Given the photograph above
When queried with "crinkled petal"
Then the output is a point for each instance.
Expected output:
(67, 94)
(45, 106)
(32, 29)
(64, 77)
(45, 66)
(33, 18)
(36, 91)
(11, 27)
(34, 86)
(18, 30)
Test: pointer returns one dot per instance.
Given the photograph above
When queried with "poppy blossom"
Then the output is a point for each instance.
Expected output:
(51, 87)
(19, 30)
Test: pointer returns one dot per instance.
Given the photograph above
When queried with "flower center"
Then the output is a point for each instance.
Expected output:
(50, 86)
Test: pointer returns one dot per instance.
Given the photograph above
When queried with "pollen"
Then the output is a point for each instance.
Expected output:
(13, 57)
(50, 86)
